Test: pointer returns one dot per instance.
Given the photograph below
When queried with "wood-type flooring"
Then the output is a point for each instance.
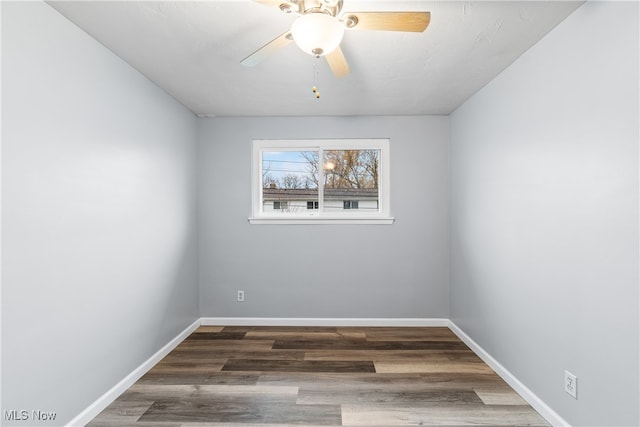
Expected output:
(320, 376)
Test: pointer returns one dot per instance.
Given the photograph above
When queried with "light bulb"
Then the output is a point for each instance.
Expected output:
(317, 34)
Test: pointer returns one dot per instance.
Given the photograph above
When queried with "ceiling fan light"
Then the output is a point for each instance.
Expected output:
(317, 34)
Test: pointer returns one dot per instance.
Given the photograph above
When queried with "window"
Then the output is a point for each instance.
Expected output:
(350, 204)
(277, 205)
(320, 181)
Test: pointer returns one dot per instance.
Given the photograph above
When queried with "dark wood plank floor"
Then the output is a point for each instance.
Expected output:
(321, 376)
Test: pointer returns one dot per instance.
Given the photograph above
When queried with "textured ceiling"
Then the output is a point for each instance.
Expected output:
(193, 51)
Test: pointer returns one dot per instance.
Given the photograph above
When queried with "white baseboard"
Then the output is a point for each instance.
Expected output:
(106, 399)
(532, 399)
(303, 321)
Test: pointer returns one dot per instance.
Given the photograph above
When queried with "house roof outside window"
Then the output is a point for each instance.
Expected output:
(311, 194)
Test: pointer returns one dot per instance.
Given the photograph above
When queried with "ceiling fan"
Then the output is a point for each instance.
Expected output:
(319, 29)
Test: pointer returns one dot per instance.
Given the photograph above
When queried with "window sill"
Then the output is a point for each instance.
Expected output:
(318, 221)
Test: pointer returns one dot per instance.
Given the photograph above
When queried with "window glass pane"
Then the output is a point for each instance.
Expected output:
(351, 180)
(289, 181)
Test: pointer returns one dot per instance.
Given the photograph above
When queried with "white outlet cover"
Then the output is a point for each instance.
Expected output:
(571, 384)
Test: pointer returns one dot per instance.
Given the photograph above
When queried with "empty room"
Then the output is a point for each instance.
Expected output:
(320, 212)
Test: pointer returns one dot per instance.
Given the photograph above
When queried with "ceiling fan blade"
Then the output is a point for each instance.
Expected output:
(265, 51)
(388, 21)
(338, 63)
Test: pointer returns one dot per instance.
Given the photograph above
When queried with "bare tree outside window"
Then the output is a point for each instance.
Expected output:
(351, 168)
(345, 168)
(291, 181)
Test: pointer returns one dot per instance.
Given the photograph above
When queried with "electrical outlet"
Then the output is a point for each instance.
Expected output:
(240, 296)
(571, 384)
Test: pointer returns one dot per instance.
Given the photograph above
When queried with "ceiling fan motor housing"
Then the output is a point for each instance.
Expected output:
(301, 7)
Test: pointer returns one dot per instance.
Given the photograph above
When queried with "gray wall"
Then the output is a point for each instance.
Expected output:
(344, 271)
(544, 223)
(99, 215)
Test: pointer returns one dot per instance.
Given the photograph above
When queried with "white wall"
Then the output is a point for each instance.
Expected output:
(98, 215)
(544, 223)
(327, 271)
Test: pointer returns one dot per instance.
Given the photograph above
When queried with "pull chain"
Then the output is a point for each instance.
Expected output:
(314, 89)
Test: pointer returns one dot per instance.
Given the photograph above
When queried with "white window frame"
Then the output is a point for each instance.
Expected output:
(317, 216)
